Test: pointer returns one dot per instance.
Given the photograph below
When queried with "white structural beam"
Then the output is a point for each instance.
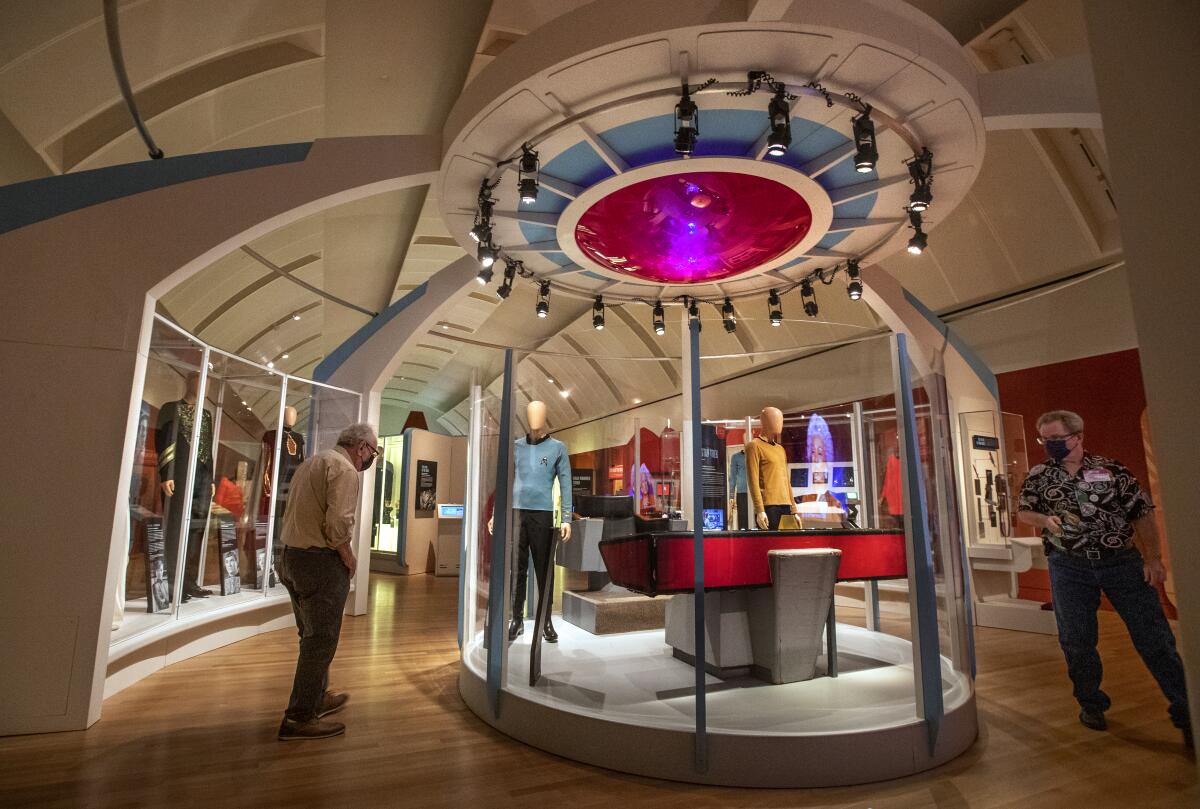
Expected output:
(1060, 94)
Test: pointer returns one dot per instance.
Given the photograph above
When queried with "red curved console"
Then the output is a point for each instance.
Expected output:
(662, 563)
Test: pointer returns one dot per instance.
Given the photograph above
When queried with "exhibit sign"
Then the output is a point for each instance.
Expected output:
(582, 481)
(231, 575)
(158, 585)
(426, 488)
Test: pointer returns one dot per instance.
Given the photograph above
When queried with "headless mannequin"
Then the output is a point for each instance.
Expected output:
(289, 421)
(772, 428)
(173, 442)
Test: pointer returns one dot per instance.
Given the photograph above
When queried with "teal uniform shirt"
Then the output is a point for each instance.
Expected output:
(536, 465)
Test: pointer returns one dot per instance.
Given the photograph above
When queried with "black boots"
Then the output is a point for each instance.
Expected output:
(549, 634)
(515, 627)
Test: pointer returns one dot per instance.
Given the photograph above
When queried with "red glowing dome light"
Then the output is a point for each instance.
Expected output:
(693, 227)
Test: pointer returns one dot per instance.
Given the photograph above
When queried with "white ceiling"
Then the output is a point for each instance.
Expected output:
(224, 74)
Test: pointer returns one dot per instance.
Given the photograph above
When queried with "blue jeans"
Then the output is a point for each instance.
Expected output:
(1076, 585)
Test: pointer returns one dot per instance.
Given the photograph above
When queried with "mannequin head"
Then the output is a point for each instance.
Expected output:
(289, 417)
(191, 386)
(772, 422)
(536, 413)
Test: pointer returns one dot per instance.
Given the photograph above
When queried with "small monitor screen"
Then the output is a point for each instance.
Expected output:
(799, 478)
(451, 511)
(714, 519)
(843, 477)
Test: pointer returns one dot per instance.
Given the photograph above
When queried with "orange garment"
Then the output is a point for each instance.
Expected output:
(767, 474)
(893, 495)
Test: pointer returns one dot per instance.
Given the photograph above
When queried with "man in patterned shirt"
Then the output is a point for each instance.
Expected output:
(1100, 537)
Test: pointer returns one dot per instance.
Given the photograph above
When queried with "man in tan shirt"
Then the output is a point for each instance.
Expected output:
(318, 562)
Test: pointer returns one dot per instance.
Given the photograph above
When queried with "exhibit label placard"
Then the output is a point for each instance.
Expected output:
(426, 488)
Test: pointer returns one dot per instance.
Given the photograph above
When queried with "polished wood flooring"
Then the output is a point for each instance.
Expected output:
(202, 733)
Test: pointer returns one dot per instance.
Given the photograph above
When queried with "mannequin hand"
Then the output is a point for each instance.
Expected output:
(565, 531)
(733, 505)
(213, 492)
(761, 520)
(168, 487)
(1153, 572)
(490, 521)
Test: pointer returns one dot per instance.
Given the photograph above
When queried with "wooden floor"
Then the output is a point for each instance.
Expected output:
(202, 733)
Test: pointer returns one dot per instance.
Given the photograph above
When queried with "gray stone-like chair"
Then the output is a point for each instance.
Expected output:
(787, 618)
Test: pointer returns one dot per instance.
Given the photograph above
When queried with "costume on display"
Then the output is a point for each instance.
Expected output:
(767, 473)
(172, 440)
(537, 461)
(385, 475)
(291, 455)
(738, 491)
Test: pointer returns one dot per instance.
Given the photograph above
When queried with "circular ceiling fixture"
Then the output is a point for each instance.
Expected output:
(693, 227)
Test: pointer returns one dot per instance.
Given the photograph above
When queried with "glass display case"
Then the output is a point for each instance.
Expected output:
(385, 510)
(218, 440)
(686, 592)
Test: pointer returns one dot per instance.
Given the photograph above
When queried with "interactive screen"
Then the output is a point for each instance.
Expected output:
(714, 519)
(843, 477)
(449, 511)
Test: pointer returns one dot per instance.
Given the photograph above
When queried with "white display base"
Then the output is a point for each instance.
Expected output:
(155, 641)
(624, 702)
(1018, 614)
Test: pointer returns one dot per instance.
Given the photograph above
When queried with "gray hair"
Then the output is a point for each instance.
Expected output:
(355, 434)
(1070, 420)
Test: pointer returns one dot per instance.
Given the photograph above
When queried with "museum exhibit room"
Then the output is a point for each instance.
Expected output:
(753, 403)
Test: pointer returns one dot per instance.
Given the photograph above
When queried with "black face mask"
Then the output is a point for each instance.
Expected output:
(363, 466)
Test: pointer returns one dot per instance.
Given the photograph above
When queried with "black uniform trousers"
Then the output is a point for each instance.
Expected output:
(195, 510)
(535, 536)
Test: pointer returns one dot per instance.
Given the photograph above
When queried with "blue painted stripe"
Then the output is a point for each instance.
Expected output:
(402, 531)
(328, 366)
(973, 360)
(25, 203)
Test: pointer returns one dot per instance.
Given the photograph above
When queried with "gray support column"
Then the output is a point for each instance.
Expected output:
(696, 503)
(1142, 53)
(498, 581)
(922, 594)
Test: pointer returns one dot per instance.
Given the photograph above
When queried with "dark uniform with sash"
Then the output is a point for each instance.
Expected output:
(1095, 554)
(172, 440)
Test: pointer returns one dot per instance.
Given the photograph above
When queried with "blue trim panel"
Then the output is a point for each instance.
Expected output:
(402, 532)
(497, 581)
(968, 354)
(34, 201)
(328, 366)
(701, 761)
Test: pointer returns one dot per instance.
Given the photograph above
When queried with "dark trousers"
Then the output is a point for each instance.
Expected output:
(535, 536)
(1076, 585)
(775, 514)
(743, 510)
(318, 583)
(195, 511)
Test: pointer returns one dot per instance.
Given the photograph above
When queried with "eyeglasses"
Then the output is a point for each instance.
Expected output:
(1043, 441)
(376, 451)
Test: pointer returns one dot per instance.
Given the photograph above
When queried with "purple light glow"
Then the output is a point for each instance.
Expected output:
(693, 228)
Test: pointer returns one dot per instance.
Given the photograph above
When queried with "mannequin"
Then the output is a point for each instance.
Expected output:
(738, 491)
(291, 454)
(172, 440)
(767, 473)
(538, 460)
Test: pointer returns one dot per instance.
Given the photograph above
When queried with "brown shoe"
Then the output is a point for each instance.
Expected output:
(332, 703)
(316, 729)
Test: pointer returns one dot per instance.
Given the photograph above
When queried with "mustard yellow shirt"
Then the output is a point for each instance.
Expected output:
(322, 502)
(767, 474)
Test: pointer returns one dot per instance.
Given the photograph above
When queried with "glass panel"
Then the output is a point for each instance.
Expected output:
(242, 403)
(146, 592)
(481, 498)
(386, 508)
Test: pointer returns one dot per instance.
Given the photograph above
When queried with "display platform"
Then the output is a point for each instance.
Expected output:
(659, 563)
(624, 702)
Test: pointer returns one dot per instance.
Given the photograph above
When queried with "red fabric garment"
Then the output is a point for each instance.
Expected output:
(229, 497)
(892, 495)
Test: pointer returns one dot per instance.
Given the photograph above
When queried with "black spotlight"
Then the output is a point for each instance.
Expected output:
(487, 253)
(687, 123)
(920, 169)
(775, 309)
(482, 232)
(728, 318)
(660, 323)
(694, 313)
(510, 272)
(866, 155)
(809, 297)
(919, 241)
(482, 229)
(528, 167)
(543, 301)
(854, 286)
(485, 276)
(598, 314)
(779, 114)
